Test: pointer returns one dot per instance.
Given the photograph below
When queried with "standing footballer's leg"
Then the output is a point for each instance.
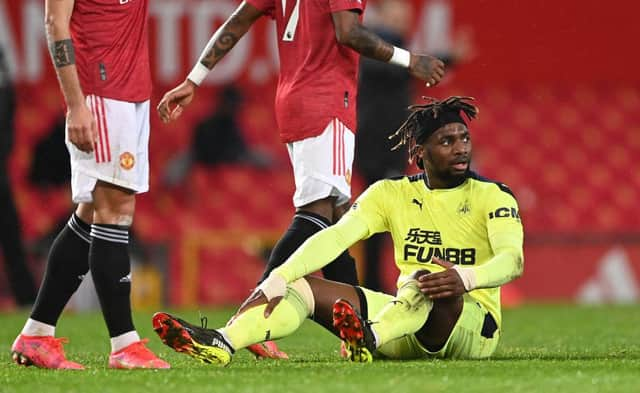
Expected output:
(111, 270)
(67, 265)
(308, 220)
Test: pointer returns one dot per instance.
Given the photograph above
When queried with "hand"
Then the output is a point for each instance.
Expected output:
(81, 128)
(173, 102)
(257, 298)
(427, 68)
(270, 291)
(443, 284)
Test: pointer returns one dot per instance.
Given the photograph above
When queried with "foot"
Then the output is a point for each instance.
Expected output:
(267, 350)
(136, 355)
(358, 339)
(205, 345)
(43, 352)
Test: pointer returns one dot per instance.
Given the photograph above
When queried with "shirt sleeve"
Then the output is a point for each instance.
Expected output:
(370, 207)
(342, 5)
(266, 6)
(504, 229)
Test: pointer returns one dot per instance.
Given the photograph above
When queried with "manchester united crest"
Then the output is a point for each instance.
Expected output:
(127, 161)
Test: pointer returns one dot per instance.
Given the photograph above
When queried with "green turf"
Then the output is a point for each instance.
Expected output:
(543, 349)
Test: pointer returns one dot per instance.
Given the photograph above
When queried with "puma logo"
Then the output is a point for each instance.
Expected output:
(417, 202)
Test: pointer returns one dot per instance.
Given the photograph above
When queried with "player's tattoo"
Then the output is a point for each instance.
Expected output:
(224, 43)
(63, 53)
(369, 44)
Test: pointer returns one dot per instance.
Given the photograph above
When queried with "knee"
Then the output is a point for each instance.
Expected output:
(113, 205)
(340, 211)
(119, 214)
(85, 212)
(323, 207)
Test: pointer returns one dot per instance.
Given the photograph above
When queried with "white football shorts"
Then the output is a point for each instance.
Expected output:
(322, 165)
(121, 153)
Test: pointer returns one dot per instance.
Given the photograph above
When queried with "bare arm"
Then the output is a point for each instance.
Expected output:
(226, 37)
(222, 41)
(57, 18)
(350, 32)
(80, 122)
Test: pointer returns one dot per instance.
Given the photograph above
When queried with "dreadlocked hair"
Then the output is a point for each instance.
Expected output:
(410, 130)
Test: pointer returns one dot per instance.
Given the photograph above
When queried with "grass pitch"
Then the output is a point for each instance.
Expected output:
(543, 349)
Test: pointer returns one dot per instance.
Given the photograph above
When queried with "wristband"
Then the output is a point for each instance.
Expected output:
(198, 73)
(468, 277)
(400, 57)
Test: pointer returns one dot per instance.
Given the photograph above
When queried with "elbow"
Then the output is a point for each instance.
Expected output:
(54, 22)
(343, 37)
(519, 268)
(347, 34)
(50, 24)
(51, 20)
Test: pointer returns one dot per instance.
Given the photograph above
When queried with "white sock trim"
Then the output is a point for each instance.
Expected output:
(36, 328)
(226, 338)
(124, 340)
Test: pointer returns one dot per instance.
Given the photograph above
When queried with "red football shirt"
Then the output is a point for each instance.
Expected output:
(318, 76)
(112, 52)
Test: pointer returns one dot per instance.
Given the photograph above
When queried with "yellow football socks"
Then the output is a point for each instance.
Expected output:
(403, 315)
(252, 327)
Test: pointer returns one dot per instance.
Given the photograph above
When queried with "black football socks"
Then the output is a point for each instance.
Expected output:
(67, 264)
(111, 272)
(304, 225)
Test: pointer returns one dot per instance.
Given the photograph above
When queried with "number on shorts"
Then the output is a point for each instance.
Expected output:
(290, 30)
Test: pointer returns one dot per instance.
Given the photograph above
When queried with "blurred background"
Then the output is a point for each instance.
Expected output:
(558, 88)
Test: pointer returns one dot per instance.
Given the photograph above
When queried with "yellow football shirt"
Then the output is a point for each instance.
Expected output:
(463, 225)
(475, 225)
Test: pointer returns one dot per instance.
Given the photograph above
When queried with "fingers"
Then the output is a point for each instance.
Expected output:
(166, 113)
(256, 298)
(443, 294)
(441, 262)
(441, 285)
(84, 138)
(434, 280)
(439, 288)
(176, 112)
(272, 305)
(163, 108)
(437, 72)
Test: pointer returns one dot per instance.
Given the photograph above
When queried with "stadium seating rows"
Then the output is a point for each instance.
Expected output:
(569, 154)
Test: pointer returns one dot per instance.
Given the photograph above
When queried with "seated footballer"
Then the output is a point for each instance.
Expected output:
(457, 238)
